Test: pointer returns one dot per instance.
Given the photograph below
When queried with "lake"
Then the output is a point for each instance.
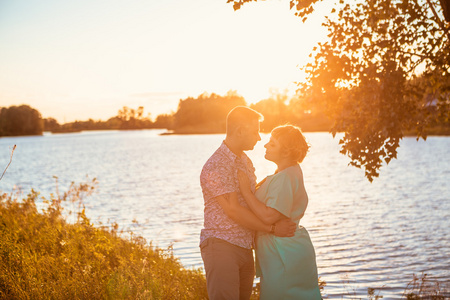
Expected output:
(365, 234)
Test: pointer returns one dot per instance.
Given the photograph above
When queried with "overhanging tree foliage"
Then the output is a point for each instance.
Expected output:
(384, 70)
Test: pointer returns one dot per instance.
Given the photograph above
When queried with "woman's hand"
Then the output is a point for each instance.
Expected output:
(244, 182)
(266, 214)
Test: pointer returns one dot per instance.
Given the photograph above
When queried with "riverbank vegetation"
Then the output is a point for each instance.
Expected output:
(205, 113)
(44, 257)
(20, 120)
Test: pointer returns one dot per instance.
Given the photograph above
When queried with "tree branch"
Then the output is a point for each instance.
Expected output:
(439, 21)
(435, 14)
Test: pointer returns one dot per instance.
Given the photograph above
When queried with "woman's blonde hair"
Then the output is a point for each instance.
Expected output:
(291, 139)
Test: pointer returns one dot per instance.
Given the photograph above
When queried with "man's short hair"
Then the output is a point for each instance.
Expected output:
(242, 116)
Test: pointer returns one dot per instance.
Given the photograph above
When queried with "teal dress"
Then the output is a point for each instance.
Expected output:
(287, 266)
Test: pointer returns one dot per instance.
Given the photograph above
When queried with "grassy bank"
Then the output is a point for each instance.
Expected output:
(44, 257)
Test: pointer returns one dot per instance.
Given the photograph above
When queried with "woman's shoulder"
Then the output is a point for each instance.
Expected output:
(292, 172)
(286, 176)
(292, 176)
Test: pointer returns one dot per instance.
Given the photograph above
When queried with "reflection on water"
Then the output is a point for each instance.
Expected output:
(365, 235)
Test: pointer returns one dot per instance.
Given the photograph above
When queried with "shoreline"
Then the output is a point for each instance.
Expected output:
(174, 132)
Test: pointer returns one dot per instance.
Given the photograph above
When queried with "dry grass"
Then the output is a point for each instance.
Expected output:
(425, 288)
(44, 257)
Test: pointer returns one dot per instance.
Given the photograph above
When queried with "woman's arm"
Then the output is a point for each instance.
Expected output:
(266, 214)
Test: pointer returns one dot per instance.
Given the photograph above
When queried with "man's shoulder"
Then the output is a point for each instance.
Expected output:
(219, 158)
(219, 167)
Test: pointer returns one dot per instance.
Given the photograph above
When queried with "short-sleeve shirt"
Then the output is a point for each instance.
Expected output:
(219, 177)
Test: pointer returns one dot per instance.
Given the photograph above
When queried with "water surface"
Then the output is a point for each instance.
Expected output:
(365, 234)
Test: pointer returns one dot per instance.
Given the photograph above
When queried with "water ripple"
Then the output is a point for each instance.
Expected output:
(365, 234)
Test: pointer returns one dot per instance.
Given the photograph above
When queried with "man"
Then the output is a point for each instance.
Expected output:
(226, 240)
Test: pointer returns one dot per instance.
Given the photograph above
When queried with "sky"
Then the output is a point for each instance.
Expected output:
(75, 60)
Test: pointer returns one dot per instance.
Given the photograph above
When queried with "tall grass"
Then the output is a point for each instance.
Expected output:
(44, 257)
(419, 288)
(425, 288)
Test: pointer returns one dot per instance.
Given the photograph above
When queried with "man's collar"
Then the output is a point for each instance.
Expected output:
(228, 152)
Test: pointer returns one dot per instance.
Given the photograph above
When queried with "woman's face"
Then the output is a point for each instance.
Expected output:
(274, 150)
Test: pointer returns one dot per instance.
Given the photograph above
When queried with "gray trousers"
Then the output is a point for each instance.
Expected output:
(229, 270)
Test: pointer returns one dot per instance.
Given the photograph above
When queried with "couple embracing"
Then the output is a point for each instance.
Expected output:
(240, 215)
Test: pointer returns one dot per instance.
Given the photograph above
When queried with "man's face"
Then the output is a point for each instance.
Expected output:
(250, 135)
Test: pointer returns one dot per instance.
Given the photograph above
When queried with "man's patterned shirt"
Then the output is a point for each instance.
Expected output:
(219, 177)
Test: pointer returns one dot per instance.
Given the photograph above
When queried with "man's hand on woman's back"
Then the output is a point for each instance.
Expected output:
(285, 228)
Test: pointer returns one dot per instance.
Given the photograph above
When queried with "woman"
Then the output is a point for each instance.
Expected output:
(287, 266)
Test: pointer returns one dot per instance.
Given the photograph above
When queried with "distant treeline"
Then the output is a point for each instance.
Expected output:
(20, 120)
(204, 114)
(207, 113)
(25, 120)
(126, 119)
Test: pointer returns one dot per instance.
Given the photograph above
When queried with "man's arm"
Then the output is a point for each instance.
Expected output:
(245, 217)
